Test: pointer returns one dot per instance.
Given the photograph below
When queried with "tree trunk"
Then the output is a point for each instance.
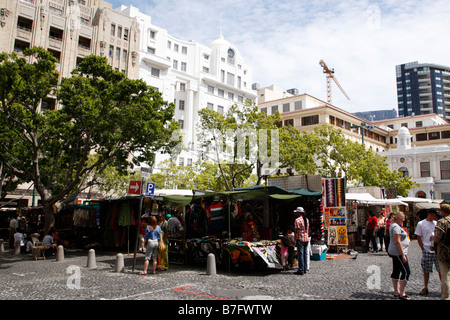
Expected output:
(49, 218)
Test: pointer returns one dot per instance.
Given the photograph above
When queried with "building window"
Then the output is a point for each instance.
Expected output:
(220, 109)
(175, 47)
(111, 51)
(119, 32)
(264, 110)
(311, 120)
(298, 105)
(445, 169)
(274, 109)
(289, 122)
(220, 93)
(404, 171)
(117, 53)
(175, 64)
(230, 79)
(124, 55)
(189, 162)
(183, 66)
(113, 29)
(181, 159)
(419, 124)
(181, 123)
(184, 50)
(286, 107)
(445, 134)
(182, 86)
(125, 34)
(210, 106)
(332, 120)
(181, 105)
(155, 72)
(230, 96)
(421, 137)
(434, 136)
(425, 170)
(211, 89)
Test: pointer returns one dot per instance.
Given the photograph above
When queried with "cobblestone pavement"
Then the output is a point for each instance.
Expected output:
(22, 278)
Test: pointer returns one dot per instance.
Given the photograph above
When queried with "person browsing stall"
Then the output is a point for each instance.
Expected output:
(152, 235)
(301, 227)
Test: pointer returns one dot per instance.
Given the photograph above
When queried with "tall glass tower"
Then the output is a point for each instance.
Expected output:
(423, 89)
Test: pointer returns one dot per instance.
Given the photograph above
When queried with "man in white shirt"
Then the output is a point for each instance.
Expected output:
(424, 231)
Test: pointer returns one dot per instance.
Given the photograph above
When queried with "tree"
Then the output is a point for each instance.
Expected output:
(327, 152)
(238, 141)
(123, 121)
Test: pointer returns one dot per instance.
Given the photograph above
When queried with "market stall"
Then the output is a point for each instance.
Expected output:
(214, 222)
(358, 207)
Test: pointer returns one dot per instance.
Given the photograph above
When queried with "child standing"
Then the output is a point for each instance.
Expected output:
(291, 249)
(284, 252)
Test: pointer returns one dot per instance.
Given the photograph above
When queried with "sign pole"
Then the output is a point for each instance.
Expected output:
(138, 225)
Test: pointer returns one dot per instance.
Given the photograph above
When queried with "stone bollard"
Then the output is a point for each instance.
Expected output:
(91, 259)
(60, 253)
(211, 265)
(2, 247)
(17, 247)
(120, 265)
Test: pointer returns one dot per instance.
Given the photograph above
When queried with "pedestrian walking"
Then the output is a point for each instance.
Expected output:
(371, 229)
(442, 246)
(398, 250)
(301, 227)
(424, 232)
(152, 235)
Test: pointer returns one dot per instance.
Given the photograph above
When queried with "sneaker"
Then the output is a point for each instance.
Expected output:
(423, 292)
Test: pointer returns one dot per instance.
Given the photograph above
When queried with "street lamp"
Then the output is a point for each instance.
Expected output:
(362, 126)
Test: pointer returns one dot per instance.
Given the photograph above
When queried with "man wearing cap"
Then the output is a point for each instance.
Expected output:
(301, 227)
(424, 231)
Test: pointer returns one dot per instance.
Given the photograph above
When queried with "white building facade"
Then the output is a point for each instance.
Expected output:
(428, 165)
(192, 76)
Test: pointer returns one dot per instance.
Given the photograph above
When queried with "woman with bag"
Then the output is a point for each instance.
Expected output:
(152, 235)
(163, 253)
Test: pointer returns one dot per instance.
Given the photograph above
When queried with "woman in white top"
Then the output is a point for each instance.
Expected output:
(398, 250)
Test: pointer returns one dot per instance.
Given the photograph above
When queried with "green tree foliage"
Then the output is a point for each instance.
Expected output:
(327, 152)
(102, 112)
(239, 142)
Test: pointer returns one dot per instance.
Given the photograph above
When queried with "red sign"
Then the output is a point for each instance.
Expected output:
(134, 187)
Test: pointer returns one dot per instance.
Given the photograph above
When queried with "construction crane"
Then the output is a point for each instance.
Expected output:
(330, 75)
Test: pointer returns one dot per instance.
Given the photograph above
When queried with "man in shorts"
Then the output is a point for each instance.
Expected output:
(424, 231)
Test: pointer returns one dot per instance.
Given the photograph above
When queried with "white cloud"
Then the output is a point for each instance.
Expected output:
(284, 40)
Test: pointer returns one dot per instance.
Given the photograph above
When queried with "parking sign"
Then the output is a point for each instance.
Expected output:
(150, 189)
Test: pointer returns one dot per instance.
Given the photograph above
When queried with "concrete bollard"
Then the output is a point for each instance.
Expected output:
(120, 265)
(91, 259)
(17, 247)
(2, 247)
(60, 253)
(211, 265)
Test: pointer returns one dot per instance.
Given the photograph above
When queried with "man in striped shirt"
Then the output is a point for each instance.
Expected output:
(301, 226)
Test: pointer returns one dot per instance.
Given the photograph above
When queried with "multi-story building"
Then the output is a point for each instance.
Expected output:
(191, 75)
(423, 88)
(417, 146)
(71, 30)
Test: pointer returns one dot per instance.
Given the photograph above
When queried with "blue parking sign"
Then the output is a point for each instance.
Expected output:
(150, 189)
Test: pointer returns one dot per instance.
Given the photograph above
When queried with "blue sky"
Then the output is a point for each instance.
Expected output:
(284, 40)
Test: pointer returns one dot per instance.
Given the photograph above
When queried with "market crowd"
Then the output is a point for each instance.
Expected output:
(433, 237)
